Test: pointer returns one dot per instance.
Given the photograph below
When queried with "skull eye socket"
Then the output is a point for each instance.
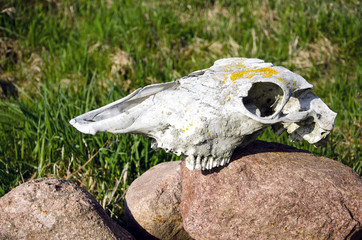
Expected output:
(263, 99)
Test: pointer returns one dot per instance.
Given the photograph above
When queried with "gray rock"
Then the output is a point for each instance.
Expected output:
(51, 208)
(152, 204)
(273, 191)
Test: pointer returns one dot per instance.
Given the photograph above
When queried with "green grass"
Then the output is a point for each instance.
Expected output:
(59, 59)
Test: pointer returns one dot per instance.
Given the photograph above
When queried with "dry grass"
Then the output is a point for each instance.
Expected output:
(322, 52)
(121, 62)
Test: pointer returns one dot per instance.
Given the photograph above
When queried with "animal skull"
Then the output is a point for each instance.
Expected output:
(210, 112)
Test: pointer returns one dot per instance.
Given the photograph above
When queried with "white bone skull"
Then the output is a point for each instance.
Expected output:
(210, 112)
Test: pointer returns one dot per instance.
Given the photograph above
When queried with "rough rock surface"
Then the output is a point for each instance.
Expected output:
(152, 204)
(51, 208)
(273, 191)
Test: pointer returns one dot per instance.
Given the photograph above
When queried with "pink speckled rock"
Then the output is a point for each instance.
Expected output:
(273, 191)
(152, 204)
(52, 208)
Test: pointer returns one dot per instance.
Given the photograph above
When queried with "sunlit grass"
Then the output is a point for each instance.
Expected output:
(59, 59)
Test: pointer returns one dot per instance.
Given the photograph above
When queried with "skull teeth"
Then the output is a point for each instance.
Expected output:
(190, 162)
(198, 163)
(204, 163)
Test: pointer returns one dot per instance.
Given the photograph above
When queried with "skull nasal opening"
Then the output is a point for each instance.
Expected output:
(263, 99)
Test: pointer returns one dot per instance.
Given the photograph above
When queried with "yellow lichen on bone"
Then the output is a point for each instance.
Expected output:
(266, 72)
(282, 80)
(230, 67)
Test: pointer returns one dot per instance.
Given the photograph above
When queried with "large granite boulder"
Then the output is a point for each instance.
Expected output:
(273, 191)
(152, 204)
(51, 208)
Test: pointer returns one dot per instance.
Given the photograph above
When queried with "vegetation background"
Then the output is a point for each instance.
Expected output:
(61, 58)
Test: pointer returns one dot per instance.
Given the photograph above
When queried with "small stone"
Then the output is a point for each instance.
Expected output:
(273, 191)
(52, 208)
(152, 204)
